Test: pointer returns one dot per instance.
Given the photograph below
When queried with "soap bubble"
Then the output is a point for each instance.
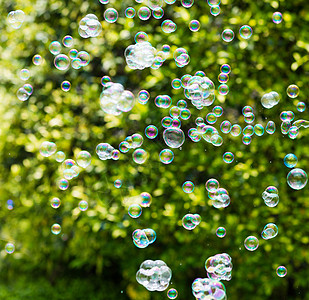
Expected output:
(83, 205)
(48, 148)
(211, 118)
(140, 156)
(63, 184)
(154, 275)
(223, 89)
(181, 57)
(166, 156)
(60, 156)
(235, 130)
(290, 160)
(55, 202)
(271, 99)
(251, 243)
(227, 35)
(83, 159)
(145, 199)
(37, 59)
(151, 132)
(220, 198)
(175, 113)
(228, 157)
(190, 221)
(270, 231)
(221, 232)
(117, 183)
(270, 127)
(212, 185)
(56, 229)
(218, 111)
(188, 187)
(225, 68)
(143, 96)
(104, 1)
(301, 106)
(223, 78)
(89, 26)
(173, 137)
(65, 85)
(24, 74)
(194, 25)
(297, 179)
(54, 47)
(277, 17)
(292, 91)
(172, 294)
(144, 13)
(130, 12)
(219, 267)
(22, 94)
(143, 237)
(187, 3)
(176, 83)
(271, 196)
(9, 248)
(287, 116)
(62, 62)
(226, 126)
(281, 271)
(245, 32)
(248, 130)
(163, 101)
(134, 211)
(73, 53)
(206, 288)
(158, 13)
(111, 15)
(249, 118)
(84, 58)
(16, 18)
(67, 41)
(215, 10)
(293, 132)
(246, 140)
(168, 26)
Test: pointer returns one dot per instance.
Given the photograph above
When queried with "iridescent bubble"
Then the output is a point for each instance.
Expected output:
(249, 118)
(176, 83)
(84, 58)
(151, 132)
(226, 126)
(54, 47)
(166, 156)
(137, 140)
(292, 91)
(194, 25)
(221, 232)
(247, 109)
(175, 112)
(144, 13)
(228, 157)
(227, 35)
(270, 231)
(16, 18)
(124, 147)
(258, 129)
(269, 100)
(172, 294)
(225, 68)
(173, 137)
(55, 229)
(223, 77)
(67, 41)
(188, 187)
(83, 205)
(223, 89)
(140, 239)
(281, 271)
(83, 159)
(297, 179)
(158, 13)
(134, 211)
(145, 199)
(271, 196)
(130, 12)
(65, 85)
(117, 183)
(60, 156)
(277, 17)
(211, 118)
(251, 243)
(111, 15)
(248, 130)
(163, 101)
(245, 32)
(189, 221)
(37, 59)
(168, 26)
(28, 88)
(105, 80)
(212, 185)
(293, 132)
(246, 140)
(76, 63)
(218, 111)
(290, 160)
(301, 106)
(141, 36)
(236, 130)
(287, 116)
(73, 53)
(104, 1)
(62, 62)
(215, 10)
(63, 184)
(55, 202)
(187, 3)
(213, 2)
(24, 74)
(48, 148)
(271, 127)
(9, 248)
(139, 156)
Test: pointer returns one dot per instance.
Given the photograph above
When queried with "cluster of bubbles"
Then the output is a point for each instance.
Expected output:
(270, 231)
(245, 32)
(251, 243)
(114, 99)
(219, 196)
(190, 221)
(207, 288)
(89, 26)
(269, 100)
(219, 267)
(287, 128)
(214, 7)
(16, 18)
(154, 275)
(223, 78)
(271, 196)
(181, 57)
(106, 151)
(24, 92)
(143, 237)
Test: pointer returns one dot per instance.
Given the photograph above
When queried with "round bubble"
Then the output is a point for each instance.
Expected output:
(189, 221)
(277, 17)
(258, 129)
(228, 157)
(56, 229)
(226, 126)
(65, 85)
(144, 13)
(63, 184)
(111, 15)
(292, 91)
(281, 271)
(158, 13)
(211, 118)
(269, 100)
(22, 94)
(166, 156)
(60, 156)
(290, 160)
(221, 232)
(297, 179)
(62, 62)
(212, 185)
(187, 3)
(227, 35)
(48, 148)
(67, 41)
(37, 59)
(245, 32)
(225, 68)
(130, 12)
(140, 156)
(188, 187)
(270, 231)
(301, 106)
(215, 10)
(134, 211)
(24, 74)
(9, 248)
(194, 25)
(251, 243)
(271, 127)
(83, 159)
(270, 196)
(235, 130)
(117, 183)
(54, 47)
(168, 26)
(172, 294)
(151, 132)
(83, 205)
(223, 89)
(55, 202)
(176, 83)
(173, 137)
(146, 199)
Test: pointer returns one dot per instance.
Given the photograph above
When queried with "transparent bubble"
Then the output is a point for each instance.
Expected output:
(83, 159)
(269, 100)
(249, 118)
(207, 288)
(248, 130)
(173, 137)
(247, 109)
(277, 17)
(301, 106)
(293, 132)
(65, 85)
(124, 147)
(271, 127)
(111, 15)
(84, 58)
(158, 13)
(140, 156)
(130, 12)
(56, 229)
(37, 59)
(213, 2)
(221, 232)
(223, 77)
(270, 231)
(246, 140)
(67, 41)
(225, 68)
(134, 211)
(220, 198)
(48, 148)
(28, 88)
(235, 130)
(211, 118)
(16, 18)
(146, 199)
(22, 94)
(141, 36)
(297, 179)
(24, 74)
(228, 157)
(212, 185)
(189, 221)
(168, 26)
(83, 205)
(223, 89)
(62, 62)
(137, 140)
(245, 32)
(251, 243)
(144, 13)
(287, 116)
(290, 160)
(226, 126)
(270, 196)
(258, 129)
(176, 83)
(151, 132)
(54, 47)
(187, 3)
(117, 183)
(292, 91)
(281, 271)
(166, 156)
(167, 122)
(68, 164)
(215, 10)
(9, 248)
(60, 156)
(55, 202)
(188, 187)
(219, 267)
(227, 35)
(172, 293)
(194, 25)
(63, 184)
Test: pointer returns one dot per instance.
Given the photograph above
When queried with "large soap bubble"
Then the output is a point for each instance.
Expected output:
(173, 137)
(89, 26)
(297, 179)
(271, 196)
(270, 99)
(154, 275)
(219, 267)
(210, 289)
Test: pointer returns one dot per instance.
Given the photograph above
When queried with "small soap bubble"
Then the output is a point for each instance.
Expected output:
(173, 137)
(111, 15)
(226, 126)
(16, 18)
(67, 41)
(225, 68)
(292, 91)
(176, 83)
(172, 294)
(187, 3)
(236, 130)
(246, 140)
(62, 62)
(146, 199)
(188, 187)
(63, 184)
(297, 179)
(245, 32)
(215, 10)
(249, 118)
(55, 229)
(221, 232)
(251, 243)
(293, 132)
(281, 271)
(10, 204)
(37, 59)
(228, 157)
(290, 160)
(84, 58)
(73, 53)
(54, 47)
(301, 106)
(24, 74)
(223, 78)
(213, 2)
(271, 196)
(269, 100)
(227, 35)
(134, 211)
(248, 130)
(167, 122)
(48, 148)
(117, 183)
(9, 248)
(218, 111)
(166, 156)
(158, 13)
(270, 231)
(194, 25)
(140, 37)
(55, 202)
(258, 129)
(212, 185)
(144, 13)
(83, 159)
(83, 205)
(271, 127)
(105, 80)
(65, 85)
(151, 132)
(140, 156)
(223, 89)
(189, 221)
(130, 12)
(168, 26)
(60, 156)
(277, 17)
(211, 118)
